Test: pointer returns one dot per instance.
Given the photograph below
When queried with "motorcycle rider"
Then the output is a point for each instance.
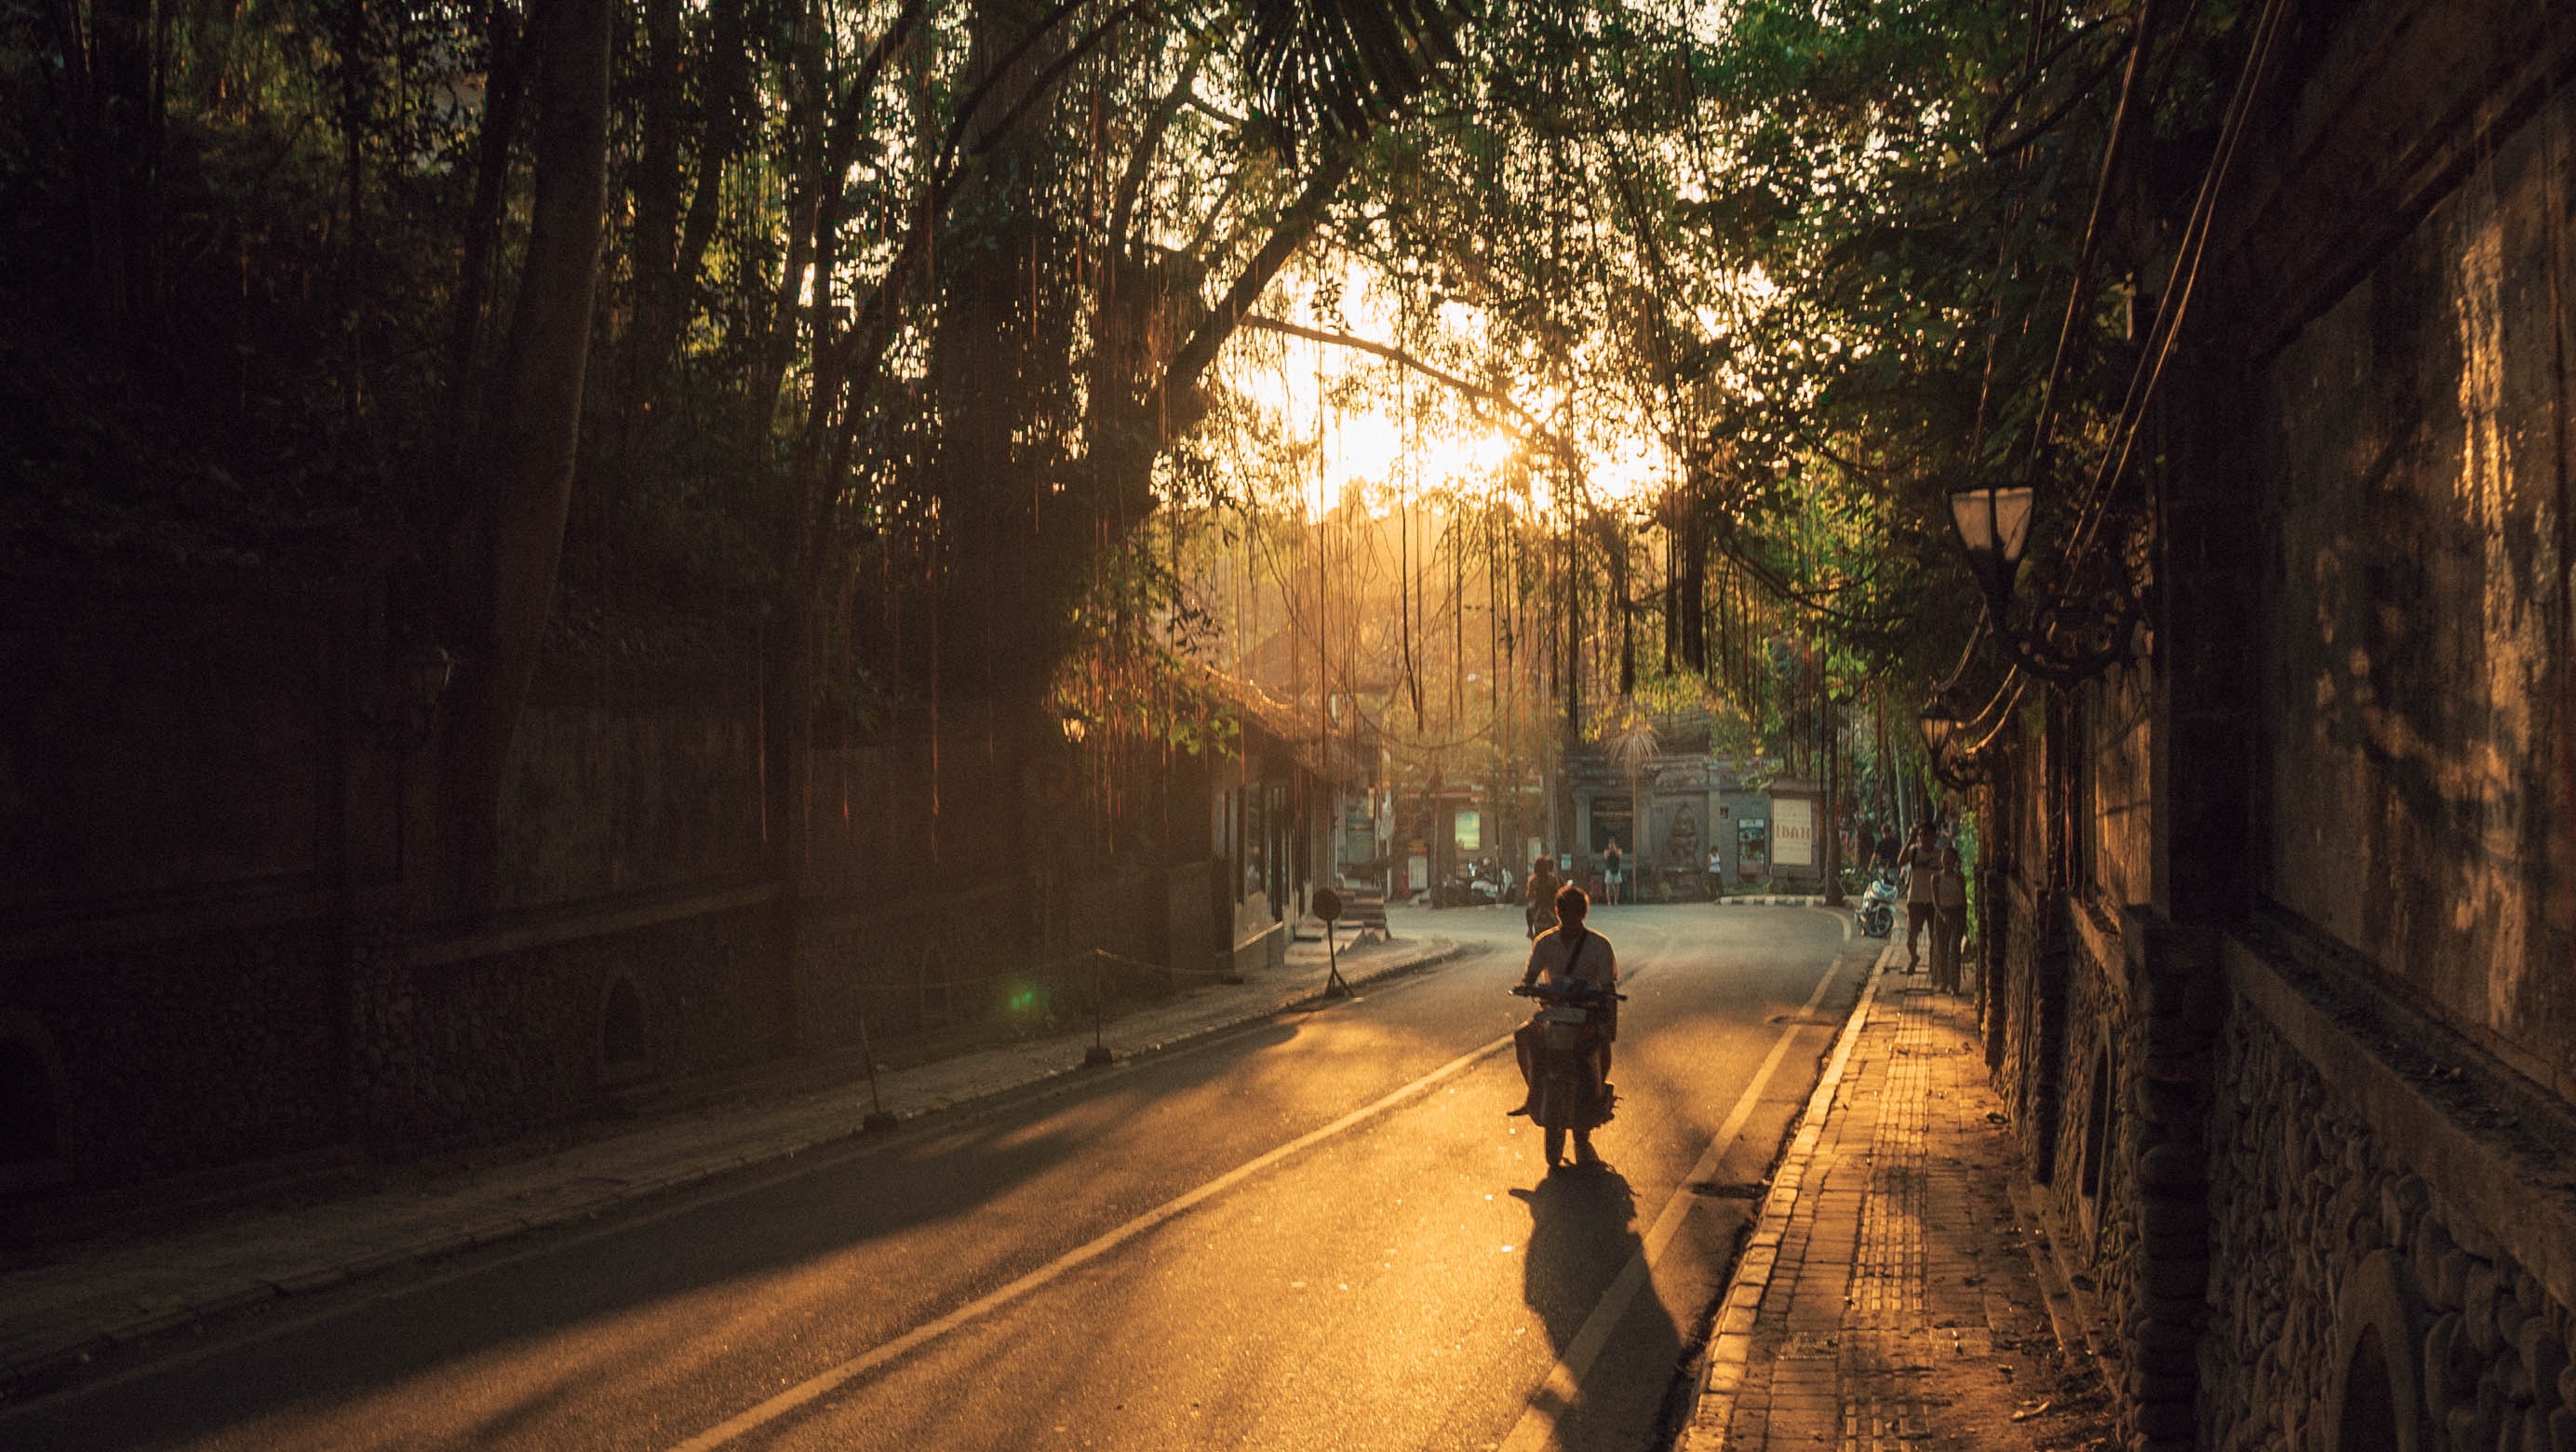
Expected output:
(1540, 895)
(1570, 951)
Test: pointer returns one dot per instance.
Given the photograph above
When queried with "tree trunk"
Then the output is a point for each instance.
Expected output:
(532, 424)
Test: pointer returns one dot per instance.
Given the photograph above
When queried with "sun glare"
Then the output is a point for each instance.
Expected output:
(1360, 422)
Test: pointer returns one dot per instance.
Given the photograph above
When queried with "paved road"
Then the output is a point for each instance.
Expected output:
(1318, 1233)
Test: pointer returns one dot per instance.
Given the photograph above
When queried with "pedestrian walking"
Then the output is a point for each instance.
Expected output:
(1922, 863)
(1949, 920)
(1614, 867)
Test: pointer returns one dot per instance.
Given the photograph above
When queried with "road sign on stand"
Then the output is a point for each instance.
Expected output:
(1328, 906)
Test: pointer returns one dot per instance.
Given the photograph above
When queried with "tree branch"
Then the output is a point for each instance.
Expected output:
(1528, 427)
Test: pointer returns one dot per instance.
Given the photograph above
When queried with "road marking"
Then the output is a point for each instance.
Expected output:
(807, 1392)
(624, 1219)
(1555, 1397)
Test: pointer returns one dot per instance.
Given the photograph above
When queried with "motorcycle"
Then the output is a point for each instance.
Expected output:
(1567, 1088)
(1472, 885)
(1878, 906)
(1540, 914)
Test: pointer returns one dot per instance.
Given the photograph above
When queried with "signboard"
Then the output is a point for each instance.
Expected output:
(1417, 872)
(1752, 847)
(1793, 832)
(1470, 831)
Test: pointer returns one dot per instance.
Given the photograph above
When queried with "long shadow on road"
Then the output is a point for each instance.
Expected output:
(1583, 1232)
(746, 1287)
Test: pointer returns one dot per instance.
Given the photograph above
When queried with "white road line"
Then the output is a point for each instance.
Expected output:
(1555, 1397)
(806, 1392)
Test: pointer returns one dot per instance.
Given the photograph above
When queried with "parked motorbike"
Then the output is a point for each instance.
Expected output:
(1878, 906)
(1567, 1090)
(1473, 885)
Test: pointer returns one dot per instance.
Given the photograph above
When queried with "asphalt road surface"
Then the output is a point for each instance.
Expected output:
(1321, 1232)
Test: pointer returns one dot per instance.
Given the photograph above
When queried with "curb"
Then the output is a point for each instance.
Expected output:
(30, 1375)
(1730, 1342)
(2071, 1313)
(1774, 900)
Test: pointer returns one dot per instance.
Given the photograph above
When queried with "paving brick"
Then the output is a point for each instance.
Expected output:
(1901, 1279)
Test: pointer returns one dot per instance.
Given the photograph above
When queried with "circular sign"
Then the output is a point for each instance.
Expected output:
(1327, 904)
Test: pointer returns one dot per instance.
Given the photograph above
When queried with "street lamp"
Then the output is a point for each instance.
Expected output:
(1939, 725)
(2056, 643)
(1994, 527)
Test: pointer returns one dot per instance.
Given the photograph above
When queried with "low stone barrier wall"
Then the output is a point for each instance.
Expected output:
(2384, 1259)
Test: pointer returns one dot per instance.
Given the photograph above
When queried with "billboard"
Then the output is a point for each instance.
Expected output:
(1793, 832)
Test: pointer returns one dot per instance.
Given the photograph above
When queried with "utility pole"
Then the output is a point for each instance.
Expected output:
(1833, 858)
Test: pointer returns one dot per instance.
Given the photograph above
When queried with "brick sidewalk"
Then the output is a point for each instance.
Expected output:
(1888, 1298)
(56, 1316)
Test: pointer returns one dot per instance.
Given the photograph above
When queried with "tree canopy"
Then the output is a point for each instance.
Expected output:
(927, 335)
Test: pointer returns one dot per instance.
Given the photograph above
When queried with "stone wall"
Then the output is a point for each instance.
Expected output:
(906, 965)
(184, 1053)
(2304, 894)
(480, 1044)
(2091, 1197)
(606, 800)
(2371, 1220)
(182, 800)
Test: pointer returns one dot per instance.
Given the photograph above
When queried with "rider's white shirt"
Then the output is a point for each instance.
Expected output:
(1595, 962)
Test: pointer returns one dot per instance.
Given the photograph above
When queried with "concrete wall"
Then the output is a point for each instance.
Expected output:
(220, 926)
(2117, 721)
(2389, 1136)
(166, 733)
(2423, 762)
(603, 801)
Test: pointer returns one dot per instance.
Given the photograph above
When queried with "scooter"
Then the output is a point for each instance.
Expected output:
(1471, 885)
(1540, 914)
(1567, 1089)
(1878, 906)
